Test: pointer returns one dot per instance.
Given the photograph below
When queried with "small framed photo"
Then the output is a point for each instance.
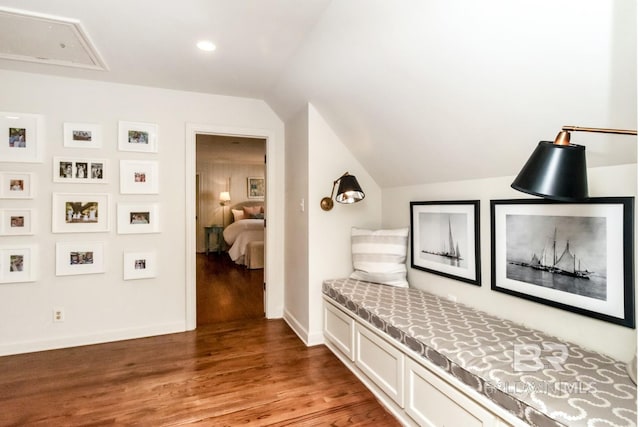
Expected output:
(82, 135)
(135, 218)
(20, 137)
(255, 187)
(139, 265)
(16, 222)
(575, 256)
(76, 170)
(445, 239)
(80, 213)
(79, 258)
(139, 177)
(18, 263)
(138, 136)
(16, 185)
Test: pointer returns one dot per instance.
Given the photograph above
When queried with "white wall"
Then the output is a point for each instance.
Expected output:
(297, 219)
(319, 242)
(330, 232)
(103, 307)
(605, 337)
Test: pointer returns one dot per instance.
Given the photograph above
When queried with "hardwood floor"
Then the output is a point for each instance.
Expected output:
(226, 291)
(251, 372)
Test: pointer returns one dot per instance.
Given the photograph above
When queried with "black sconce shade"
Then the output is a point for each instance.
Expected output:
(557, 172)
(349, 191)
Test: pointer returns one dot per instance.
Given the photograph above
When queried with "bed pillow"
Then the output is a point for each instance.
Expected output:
(238, 214)
(380, 256)
(249, 211)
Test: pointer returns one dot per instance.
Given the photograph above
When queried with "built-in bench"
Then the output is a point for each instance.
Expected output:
(435, 362)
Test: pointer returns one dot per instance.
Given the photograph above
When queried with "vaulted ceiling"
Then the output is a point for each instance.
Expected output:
(419, 90)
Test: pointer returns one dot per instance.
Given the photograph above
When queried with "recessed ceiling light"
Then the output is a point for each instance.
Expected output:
(206, 45)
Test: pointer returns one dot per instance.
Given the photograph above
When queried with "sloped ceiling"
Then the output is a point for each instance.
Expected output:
(419, 90)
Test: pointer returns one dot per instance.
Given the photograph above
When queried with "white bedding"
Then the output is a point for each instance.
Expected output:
(238, 234)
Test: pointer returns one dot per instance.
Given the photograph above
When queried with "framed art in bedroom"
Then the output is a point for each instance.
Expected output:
(255, 187)
(21, 137)
(576, 256)
(445, 239)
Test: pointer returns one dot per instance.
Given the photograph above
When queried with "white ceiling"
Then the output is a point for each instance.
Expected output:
(419, 90)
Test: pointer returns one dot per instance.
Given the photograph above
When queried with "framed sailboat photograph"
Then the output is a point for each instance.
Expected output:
(576, 256)
(445, 239)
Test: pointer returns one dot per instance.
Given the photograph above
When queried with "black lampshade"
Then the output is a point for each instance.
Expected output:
(349, 191)
(557, 172)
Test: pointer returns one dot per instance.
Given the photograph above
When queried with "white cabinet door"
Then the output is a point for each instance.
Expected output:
(339, 329)
(381, 362)
(432, 402)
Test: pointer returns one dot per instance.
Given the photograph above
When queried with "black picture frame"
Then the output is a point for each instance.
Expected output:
(575, 256)
(445, 239)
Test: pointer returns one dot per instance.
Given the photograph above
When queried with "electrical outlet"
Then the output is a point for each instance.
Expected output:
(58, 315)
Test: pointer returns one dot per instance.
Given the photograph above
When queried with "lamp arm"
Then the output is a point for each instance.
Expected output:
(599, 130)
(333, 189)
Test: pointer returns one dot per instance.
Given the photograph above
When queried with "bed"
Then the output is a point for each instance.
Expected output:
(245, 235)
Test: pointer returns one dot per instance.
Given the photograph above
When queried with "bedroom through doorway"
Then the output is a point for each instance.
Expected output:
(230, 196)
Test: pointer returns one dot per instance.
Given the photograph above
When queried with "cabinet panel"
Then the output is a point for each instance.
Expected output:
(339, 328)
(381, 362)
(432, 402)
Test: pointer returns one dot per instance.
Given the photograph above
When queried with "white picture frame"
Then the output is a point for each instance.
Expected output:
(21, 137)
(80, 212)
(138, 218)
(17, 185)
(80, 170)
(74, 258)
(138, 136)
(18, 263)
(139, 177)
(139, 265)
(82, 135)
(17, 222)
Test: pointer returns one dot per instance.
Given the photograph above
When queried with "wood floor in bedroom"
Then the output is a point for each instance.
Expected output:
(250, 372)
(226, 291)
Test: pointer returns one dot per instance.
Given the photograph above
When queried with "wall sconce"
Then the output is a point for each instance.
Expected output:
(558, 170)
(349, 191)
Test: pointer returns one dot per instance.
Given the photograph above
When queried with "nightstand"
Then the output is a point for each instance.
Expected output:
(216, 230)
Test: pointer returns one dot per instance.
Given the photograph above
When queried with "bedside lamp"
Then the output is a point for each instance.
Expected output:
(225, 197)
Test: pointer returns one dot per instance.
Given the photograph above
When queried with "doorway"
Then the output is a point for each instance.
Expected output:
(274, 213)
(230, 199)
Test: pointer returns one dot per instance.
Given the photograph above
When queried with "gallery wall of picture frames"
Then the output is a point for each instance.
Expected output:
(76, 212)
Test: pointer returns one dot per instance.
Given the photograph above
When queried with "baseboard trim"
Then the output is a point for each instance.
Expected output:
(99, 338)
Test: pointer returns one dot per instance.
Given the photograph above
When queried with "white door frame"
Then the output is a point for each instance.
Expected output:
(271, 306)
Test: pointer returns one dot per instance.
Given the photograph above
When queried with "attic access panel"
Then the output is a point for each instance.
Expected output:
(26, 36)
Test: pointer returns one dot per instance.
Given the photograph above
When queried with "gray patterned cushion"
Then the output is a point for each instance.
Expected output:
(588, 389)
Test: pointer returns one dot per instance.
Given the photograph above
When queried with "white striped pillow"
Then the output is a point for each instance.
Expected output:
(380, 256)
